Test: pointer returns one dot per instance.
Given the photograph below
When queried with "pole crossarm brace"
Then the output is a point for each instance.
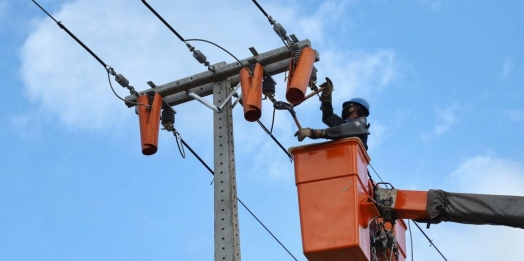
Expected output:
(208, 104)
(274, 62)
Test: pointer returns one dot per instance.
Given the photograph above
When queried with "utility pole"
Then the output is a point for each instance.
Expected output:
(219, 83)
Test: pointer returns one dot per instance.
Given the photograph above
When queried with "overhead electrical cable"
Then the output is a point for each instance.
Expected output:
(410, 238)
(197, 54)
(430, 241)
(240, 201)
(277, 27)
(118, 77)
(260, 123)
(164, 21)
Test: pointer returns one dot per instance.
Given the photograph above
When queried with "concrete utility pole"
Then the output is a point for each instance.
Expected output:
(218, 83)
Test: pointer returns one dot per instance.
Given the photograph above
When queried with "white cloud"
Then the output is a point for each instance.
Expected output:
(507, 66)
(434, 5)
(516, 115)
(484, 174)
(4, 5)
(379, 134)
(490, 175)
(65, 83)
(359, 73)
(446, 118)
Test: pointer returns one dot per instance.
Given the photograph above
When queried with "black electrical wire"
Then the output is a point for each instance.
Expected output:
(273, 120)
(261, 9)
(198, 157)
(106, 67)
(275, 139)
(430, 241)
(180, 148)
(272, 22)
(410, 238)
(376, 172)
(260, 123)
(223, 49)
(73, 36)
(164, 21)
(240, 201)
(112, 89)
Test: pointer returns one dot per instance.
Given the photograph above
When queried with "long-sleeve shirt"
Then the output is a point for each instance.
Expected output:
(340, 128)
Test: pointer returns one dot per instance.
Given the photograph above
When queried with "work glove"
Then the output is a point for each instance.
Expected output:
(328, 89)
(311, 133)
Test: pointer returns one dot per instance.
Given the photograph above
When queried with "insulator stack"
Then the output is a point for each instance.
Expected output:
(252, 68)
(168, 116)
(279, 29)
(313, 77)
(268, 86)
(300, 75)
(149, 120)
(296, 56)
(151, 99)
(122, 80)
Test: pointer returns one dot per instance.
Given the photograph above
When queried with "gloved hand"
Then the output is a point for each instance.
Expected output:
(328, 89)
(311, 133)
(303, 133)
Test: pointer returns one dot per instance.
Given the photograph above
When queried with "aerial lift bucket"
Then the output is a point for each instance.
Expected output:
(149, 120)
(300, 76)
(333, 192)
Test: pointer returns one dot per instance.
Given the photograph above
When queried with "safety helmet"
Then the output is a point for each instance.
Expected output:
(359, 101)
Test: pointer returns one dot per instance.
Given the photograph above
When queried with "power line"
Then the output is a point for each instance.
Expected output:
(270, 133)
(430, 241)
(410, 239)
(240, 201)
(164, 21)
(118, 77)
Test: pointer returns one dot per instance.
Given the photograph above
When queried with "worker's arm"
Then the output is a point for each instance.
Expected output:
(353, 128)
(328, 117)
(356, 128)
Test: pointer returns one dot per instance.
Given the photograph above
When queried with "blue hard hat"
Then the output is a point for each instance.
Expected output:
(361, 102)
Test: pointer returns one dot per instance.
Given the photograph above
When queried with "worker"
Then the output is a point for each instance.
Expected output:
(353, 122)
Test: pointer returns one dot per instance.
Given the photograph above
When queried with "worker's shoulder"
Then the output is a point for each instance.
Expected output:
(360, 120)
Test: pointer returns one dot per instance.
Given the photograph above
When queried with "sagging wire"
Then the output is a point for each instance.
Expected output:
(410, 238)
(268, 89)
(277, 27)
(375, 172)
(118, 77)
(273, 120)
(290, 43)
(240, 201)
(197, 54)
(430, 241)
(223, 49)
(275, 139)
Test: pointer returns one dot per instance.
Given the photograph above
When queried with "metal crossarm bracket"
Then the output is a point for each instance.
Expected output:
(274, 61)
(210, 105)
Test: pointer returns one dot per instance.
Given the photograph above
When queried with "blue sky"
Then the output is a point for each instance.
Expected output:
(444, 78)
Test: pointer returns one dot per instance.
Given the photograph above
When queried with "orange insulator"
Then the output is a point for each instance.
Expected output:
(297, 85)
(245, 85)
(254, 101)
(149, 120)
